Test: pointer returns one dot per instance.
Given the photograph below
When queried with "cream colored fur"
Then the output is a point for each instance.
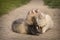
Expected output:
(45, 22)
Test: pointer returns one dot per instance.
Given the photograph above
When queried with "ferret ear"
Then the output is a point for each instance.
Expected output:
(33, 11)
(29, 12)
(37, 10)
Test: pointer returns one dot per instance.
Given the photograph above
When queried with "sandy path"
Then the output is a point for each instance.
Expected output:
(6, 21)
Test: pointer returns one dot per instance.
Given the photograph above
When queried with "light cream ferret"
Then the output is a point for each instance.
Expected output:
(44, 21)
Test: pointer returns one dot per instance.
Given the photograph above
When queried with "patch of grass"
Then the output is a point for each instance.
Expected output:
(52, 3)
(6, 5)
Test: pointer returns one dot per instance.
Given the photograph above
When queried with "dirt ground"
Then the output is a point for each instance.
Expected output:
(6, 22)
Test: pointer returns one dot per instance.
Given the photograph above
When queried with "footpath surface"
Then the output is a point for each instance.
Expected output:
(6, 22)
